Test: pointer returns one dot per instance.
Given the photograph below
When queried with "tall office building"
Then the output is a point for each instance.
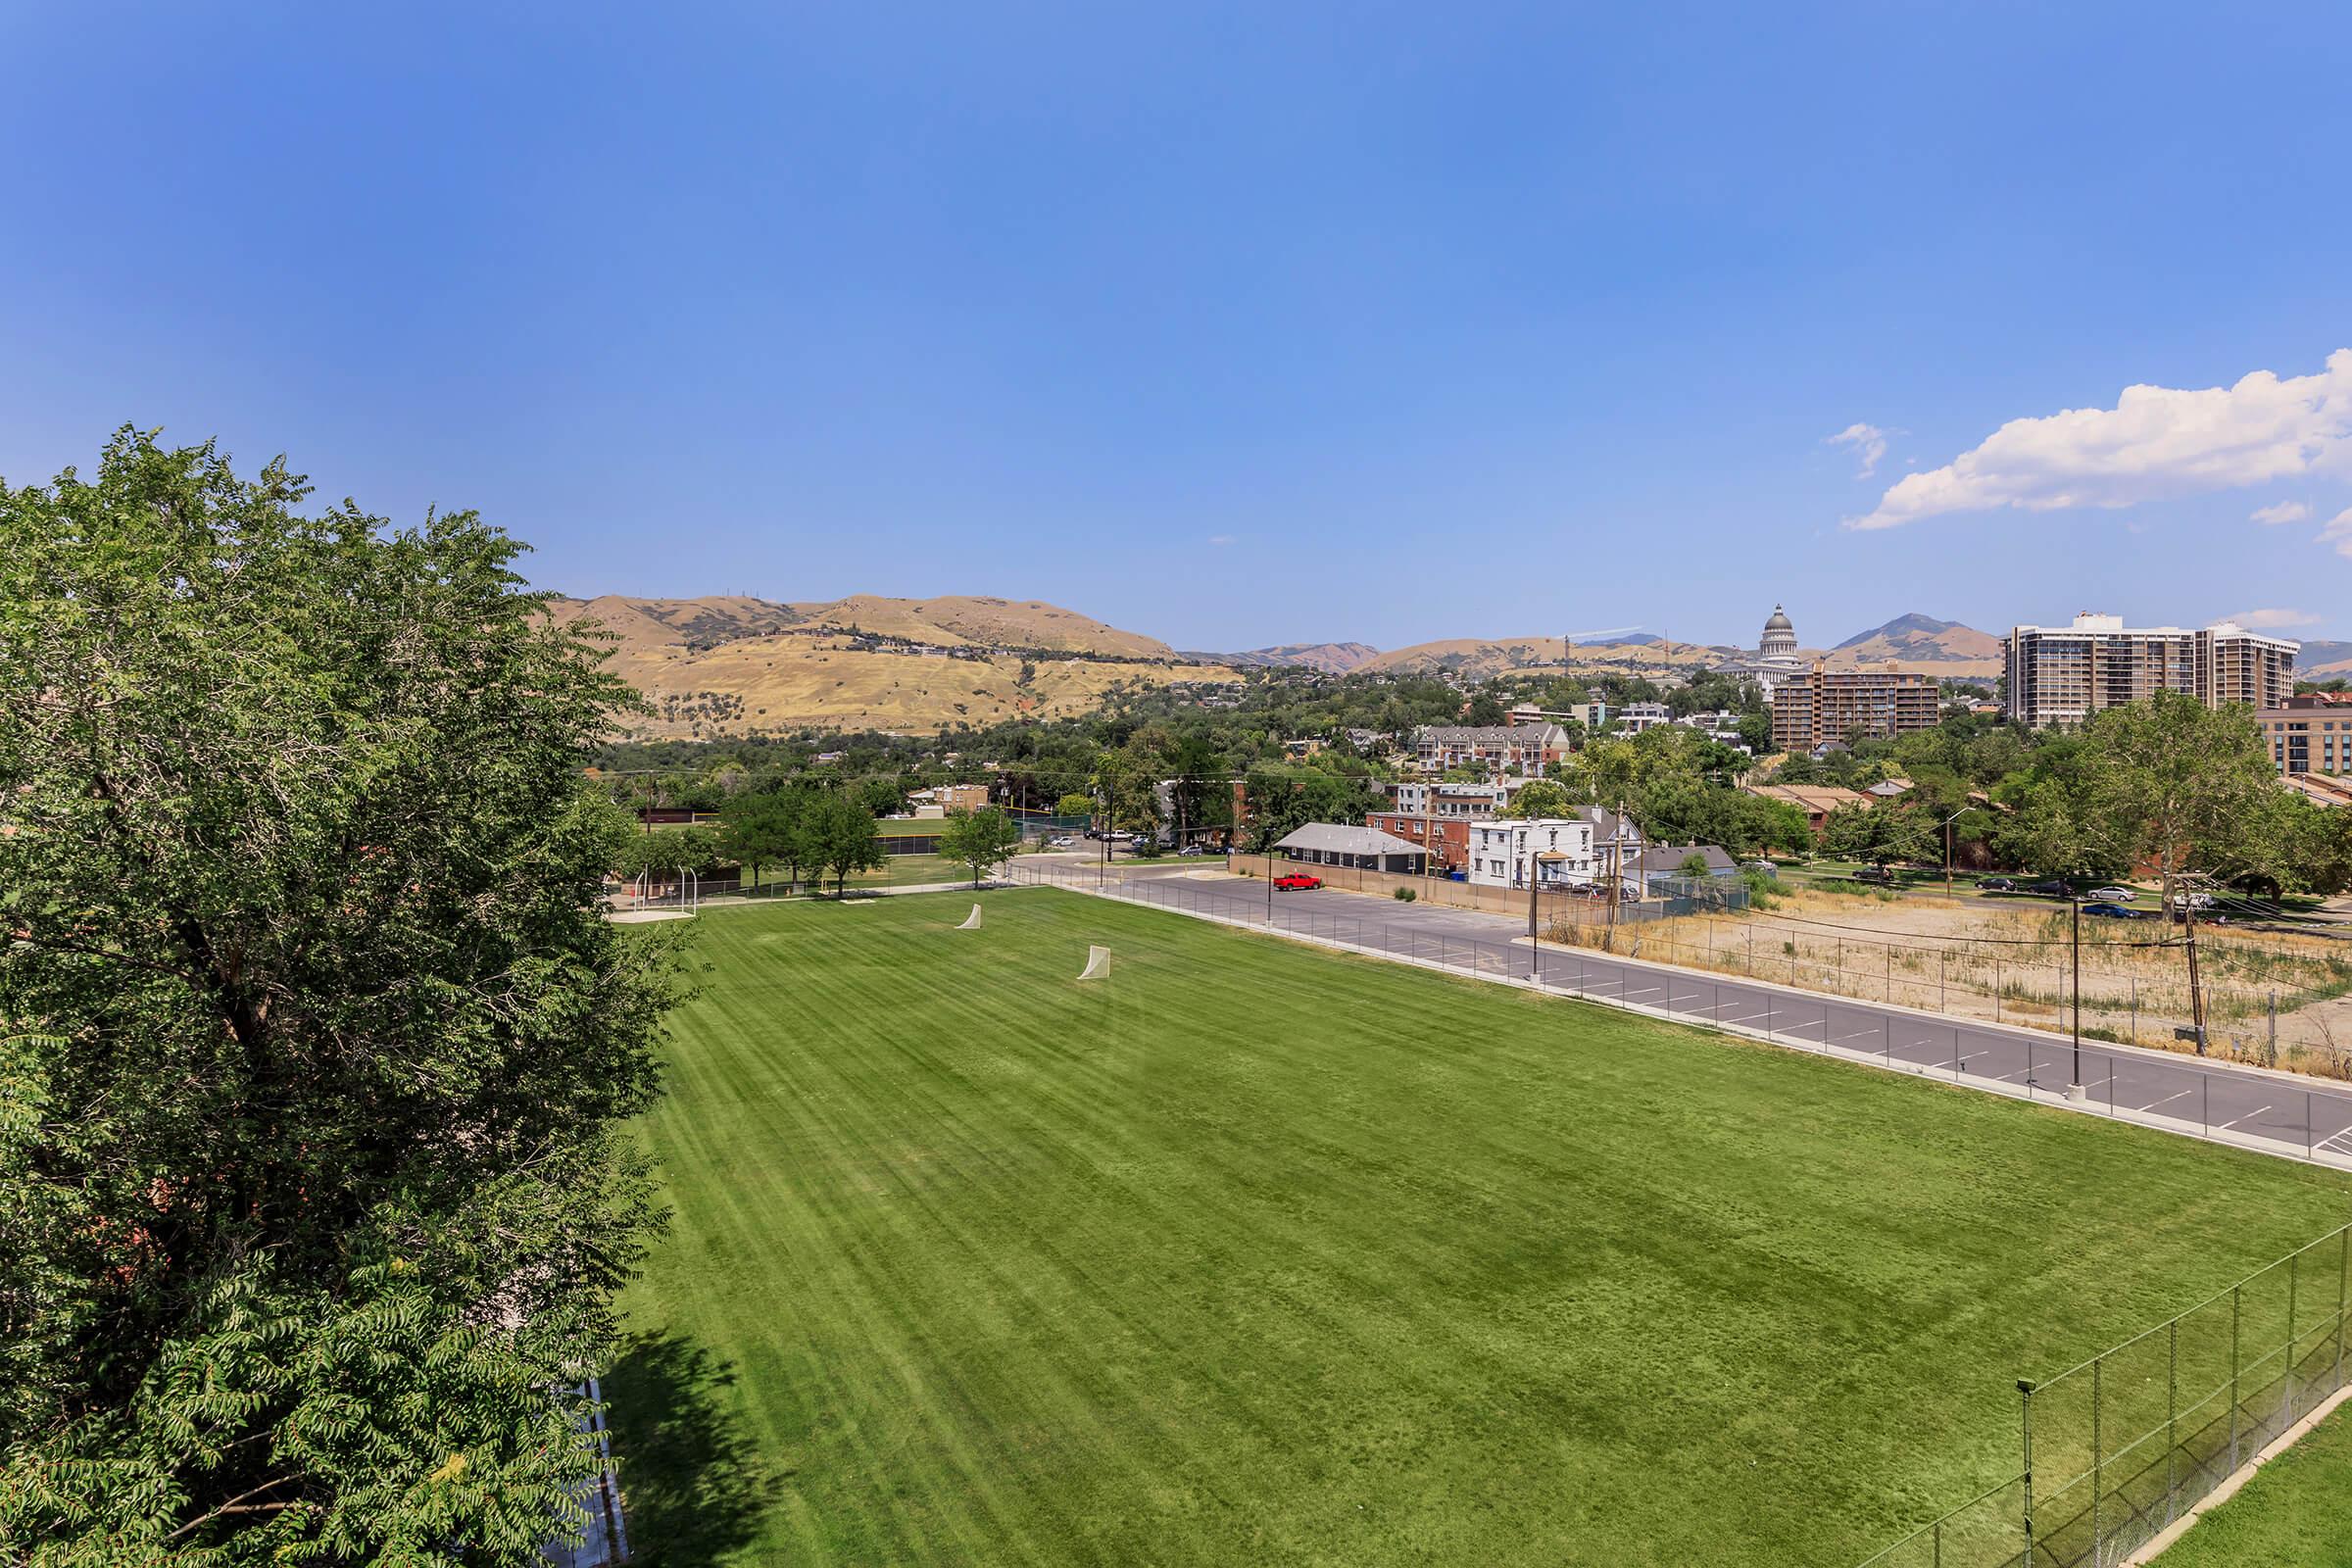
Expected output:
(1830, 704)
(2064, 674)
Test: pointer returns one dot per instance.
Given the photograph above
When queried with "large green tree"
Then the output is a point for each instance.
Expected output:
(983, 840)
(837, 835)
(314, 1048)
(2173, 784)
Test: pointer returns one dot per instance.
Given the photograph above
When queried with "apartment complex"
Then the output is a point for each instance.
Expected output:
(1529, 749)
(1829, 705)
(2064, 674)
(2311, 733)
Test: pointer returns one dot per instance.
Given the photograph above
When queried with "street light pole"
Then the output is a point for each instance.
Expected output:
(2074, 1089)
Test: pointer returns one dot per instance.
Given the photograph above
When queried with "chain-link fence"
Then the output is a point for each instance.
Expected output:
(2028, 985)
(2116, 1449)
(2111, 1450)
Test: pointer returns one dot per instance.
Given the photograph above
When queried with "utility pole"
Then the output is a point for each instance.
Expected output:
(2196, 993)
(1616, 872)
(1947, 853)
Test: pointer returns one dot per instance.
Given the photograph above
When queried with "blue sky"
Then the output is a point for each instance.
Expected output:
(1234, 324)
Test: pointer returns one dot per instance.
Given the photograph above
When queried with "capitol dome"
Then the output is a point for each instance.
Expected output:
(1780, 637)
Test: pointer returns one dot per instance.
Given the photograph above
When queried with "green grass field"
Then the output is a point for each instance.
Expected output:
(2296, 1512)
(1260, 1254)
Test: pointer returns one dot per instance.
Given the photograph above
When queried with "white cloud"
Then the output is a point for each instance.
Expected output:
(2156, 443)
(1867, 442)
(2274, 619)
(1220, 539)
(2282, 511)
(2338, 532)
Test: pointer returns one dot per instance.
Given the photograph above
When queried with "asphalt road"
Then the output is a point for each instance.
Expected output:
(2279, 1112)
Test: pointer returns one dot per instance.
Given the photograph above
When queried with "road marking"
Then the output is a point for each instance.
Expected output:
(2012, 1077)
(2336, 1138)
(2165, 1101)
(1864, 1034)
(2248, 1116)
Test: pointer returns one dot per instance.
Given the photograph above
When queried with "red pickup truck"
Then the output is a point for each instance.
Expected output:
(1297, 882)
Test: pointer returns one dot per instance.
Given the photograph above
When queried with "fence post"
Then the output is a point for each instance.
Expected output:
(2135, 1010)
(1996, 991)
(2025, 1413)
(1938, 979)
(2236, 1302)
(2343, 1272)
(2098, 1484)
(2172, 1411)
(2286, 1390)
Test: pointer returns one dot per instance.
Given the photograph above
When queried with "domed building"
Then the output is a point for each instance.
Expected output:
(1775, 658)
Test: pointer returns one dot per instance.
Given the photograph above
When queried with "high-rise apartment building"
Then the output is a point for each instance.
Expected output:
(2064, 674)
(1830, 704)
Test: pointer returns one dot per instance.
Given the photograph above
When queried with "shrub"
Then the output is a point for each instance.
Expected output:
(1405, 895)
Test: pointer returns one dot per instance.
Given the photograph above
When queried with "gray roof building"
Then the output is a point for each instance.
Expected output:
(1338, 844)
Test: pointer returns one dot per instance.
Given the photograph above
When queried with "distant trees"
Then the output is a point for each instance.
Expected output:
(1075, 804)
(767, 829)
(1538, 797)
(1870, 833)
(982, 840)
(838, 836)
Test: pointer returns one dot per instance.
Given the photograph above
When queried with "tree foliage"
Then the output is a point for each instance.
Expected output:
(314, 1048)
(982, 840)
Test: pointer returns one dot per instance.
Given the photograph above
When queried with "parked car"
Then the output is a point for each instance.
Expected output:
(2111, 912)
(2052, 888)
(2112, 895)
(1190, 849)
(2181, 912)
(1874, 874)
(1997, 884)
(1061, 842)
(1297, 882)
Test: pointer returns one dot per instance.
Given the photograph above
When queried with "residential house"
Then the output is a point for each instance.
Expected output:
(1502, 852)
(1635, 717)
(1816, 800)
(1592, 841)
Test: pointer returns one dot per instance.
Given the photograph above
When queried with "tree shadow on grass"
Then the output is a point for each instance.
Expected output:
(693, 1486)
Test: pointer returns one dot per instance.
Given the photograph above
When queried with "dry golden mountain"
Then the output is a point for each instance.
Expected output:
(1925, 644)
(728, 665)
(957, 618)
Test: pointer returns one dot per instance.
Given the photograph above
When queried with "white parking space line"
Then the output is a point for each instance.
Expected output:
(2165, 1101)
(2248, 1116)
(2334, 1143)
(2012, 1077)
(1862, 1034)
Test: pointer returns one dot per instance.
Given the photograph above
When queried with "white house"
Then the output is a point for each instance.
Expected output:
(1500, 852)
(1635, 717)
